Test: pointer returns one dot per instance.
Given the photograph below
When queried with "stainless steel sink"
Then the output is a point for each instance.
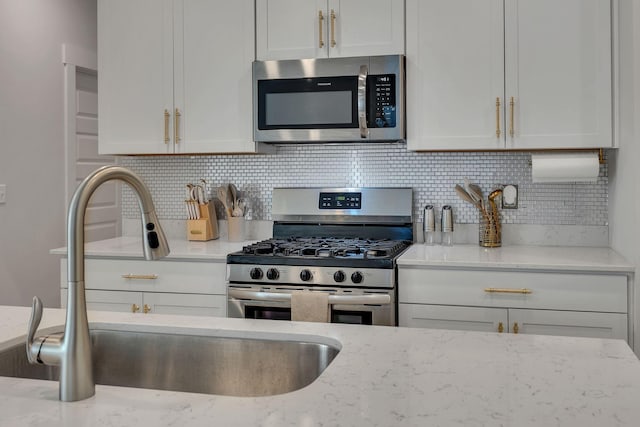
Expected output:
(190, 363)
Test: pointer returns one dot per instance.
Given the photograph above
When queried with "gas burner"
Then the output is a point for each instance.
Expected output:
(327, 247)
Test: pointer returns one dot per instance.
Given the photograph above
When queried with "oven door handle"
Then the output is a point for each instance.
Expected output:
(374, 299)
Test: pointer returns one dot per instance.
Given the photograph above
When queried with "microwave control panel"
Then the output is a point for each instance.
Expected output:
(340, 201)
(381, 101)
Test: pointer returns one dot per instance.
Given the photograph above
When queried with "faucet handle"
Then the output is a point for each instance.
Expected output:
(34, 322)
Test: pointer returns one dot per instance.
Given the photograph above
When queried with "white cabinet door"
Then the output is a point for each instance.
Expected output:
(214, 49)
(187, 304)
(558, 71)
(546, 63)
(365, 27)
(299, 29)
(121, 301)
(455, 74)
(152, 302)
(569, 323)
(453, 317)
(175, 76)
(135, 80)
(291, 29)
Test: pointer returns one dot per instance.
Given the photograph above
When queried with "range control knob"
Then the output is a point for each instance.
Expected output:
(338, 276)
(273, 274)
(357, 277)
(305, 275)
(256, 273)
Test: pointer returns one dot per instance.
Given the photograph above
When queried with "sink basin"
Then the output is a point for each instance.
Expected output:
(192, 363)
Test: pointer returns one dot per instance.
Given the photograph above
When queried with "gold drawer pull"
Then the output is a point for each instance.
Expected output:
(508, 290)
(333, 28)
(516, 328)
(135, 308)
(511, 129)
(166, 126)
(146, 309)
(320, 24)
(140, 276)
(500, 327)
(176, 126)
(498, 117)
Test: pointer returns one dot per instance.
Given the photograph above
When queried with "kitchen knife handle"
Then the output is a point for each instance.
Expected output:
(333, 28)
(166, 126)
(320, 24)
(511, 129)
(362, 101)
(498, 117)
(176, 126)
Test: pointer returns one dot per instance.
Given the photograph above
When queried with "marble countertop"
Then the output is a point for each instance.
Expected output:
(383, 376)
(182, 249)
(569, 258)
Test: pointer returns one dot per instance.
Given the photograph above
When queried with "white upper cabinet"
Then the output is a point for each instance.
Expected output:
(299, 29)
(558, 71)
(508, 74)
(175, 76)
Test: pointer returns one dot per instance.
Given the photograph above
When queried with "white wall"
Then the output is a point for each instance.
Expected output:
(624, 170)
(31, 140)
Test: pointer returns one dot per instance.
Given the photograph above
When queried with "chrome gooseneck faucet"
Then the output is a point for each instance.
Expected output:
(72, 349)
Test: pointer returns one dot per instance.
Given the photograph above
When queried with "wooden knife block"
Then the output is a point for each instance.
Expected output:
(205, 228)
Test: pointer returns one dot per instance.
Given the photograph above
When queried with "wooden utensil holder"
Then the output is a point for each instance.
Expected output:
(205, 228)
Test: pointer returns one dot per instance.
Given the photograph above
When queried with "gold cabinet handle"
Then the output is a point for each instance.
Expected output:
(146, 309)
(508, 290)
(516, 328)
(498, 117)
(135, 308)
(320, 24)
(140, 276)
(511, 128)
(166, 126)
(500, 327)
(333, 28)
(176, 126)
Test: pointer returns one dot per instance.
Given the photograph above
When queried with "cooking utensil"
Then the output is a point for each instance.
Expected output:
(223, 196)
(462, 193)
(239, 208)
(234, 193)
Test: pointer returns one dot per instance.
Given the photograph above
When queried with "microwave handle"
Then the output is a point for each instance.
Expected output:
(377, 299)
(362, 101)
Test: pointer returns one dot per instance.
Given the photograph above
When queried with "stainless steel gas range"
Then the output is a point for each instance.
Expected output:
(340, 241)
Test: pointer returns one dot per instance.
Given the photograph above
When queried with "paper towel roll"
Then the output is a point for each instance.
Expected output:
(565, 167)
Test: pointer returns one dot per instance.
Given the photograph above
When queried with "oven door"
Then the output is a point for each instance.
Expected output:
(362, 308)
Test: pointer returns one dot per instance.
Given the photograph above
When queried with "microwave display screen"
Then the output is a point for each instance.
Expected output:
(308, 108)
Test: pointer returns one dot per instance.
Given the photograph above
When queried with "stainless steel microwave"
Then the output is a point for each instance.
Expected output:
(329, 100)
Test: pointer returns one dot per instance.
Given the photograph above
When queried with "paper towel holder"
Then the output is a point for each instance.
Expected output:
(601, 158)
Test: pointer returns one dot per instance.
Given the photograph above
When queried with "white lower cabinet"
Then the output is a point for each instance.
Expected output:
(161, 287)
(540, 322)
(544, 303)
